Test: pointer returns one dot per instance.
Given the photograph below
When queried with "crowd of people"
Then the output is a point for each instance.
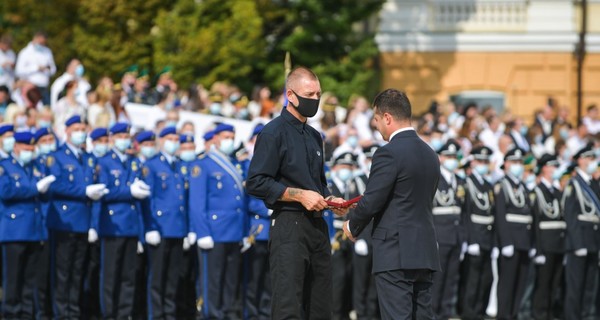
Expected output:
(101, 219)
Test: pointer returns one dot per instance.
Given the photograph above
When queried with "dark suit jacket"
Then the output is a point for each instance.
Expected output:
(399, 199)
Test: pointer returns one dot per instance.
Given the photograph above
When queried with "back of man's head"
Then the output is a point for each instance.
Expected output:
(395, 103)
(298, 74)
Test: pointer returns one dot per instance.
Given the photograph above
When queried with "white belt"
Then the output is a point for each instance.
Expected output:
(338, 224)
(518, 218)
(479, 219)
(438, 211)
(549, 225)
(588, 218)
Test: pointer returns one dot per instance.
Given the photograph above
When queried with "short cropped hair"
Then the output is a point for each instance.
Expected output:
(395, 103)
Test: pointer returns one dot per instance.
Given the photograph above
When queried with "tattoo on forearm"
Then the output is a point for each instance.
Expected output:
(292, 192)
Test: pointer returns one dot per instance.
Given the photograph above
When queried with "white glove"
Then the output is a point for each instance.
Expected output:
(508, 251)
(152, 238)
(463, 250)
(361, 248)
(44, 183)
(139, 189)
(474, 250)
(96, 191)
(246, 245)
(581, 252)
(532, 252)
(270, 212)
(495, 253)
(92, 236)
(539, 260)
(140, 248)
(192, 237)
(186, 244)
(206, 243)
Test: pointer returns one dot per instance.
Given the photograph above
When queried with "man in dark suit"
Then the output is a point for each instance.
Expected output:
(399, 197)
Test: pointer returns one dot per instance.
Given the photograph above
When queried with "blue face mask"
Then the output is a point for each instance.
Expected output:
(564, 133)
(171, 147)
(450, 164)
(530, 179)
(556, 174)
(344, 174)
(44, 124)
(592, 167)
(78, 137)
(187, 155)
(516, 170)
(482, 169)
(523, 130)
(352, 141)
(46, 148)
(100, 149)
(226, 146)
(461, 174)
(25, 156)
(436, 144)
(8, 144)
(148, 152)
(122, 144)
(215, 108)
(79, 71)
(171, 124)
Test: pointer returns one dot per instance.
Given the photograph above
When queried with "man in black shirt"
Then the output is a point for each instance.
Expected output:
(287, 172)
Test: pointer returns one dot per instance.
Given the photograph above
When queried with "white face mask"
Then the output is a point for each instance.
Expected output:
(226, 146)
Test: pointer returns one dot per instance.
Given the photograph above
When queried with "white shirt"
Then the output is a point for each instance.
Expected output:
(30, 60)
(520, 140)
(490, 138)
(362, 123)
(586, 177)
(448, 176)
(593, 126)
(7, 73)
(59, 85)
(400, 130)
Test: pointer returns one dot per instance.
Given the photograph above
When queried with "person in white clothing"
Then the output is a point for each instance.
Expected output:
(7, 62)
(67, 107)
(75, 71)
(35, 63)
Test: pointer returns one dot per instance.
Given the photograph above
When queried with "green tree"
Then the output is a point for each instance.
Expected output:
(211, 40)
(327, 36)
(113, 34)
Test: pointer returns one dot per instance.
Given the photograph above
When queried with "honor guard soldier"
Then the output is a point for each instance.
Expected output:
(166, 224)
(479, 224)
(186, 292)
(344, 186)
(7, 140)
(21, 186)
(550, 228)
(46, 144)
(118, 223)
(218, 214)
(69, 218)
(447, 205)
(581, 209)
(515, 236)
(146, 141)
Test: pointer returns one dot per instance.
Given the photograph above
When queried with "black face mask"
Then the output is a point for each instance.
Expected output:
(306, 107)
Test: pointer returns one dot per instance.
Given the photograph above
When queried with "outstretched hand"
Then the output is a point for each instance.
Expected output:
(347, 232)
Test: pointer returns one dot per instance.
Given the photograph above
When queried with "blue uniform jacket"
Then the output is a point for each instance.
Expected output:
(21, 216)
(46, 201)
(217, 199)
(71, 208)
(119, 214)
(259, 215)
(168, 201)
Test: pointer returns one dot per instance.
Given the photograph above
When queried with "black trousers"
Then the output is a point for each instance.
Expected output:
(445, 283)
(186, 287)
(163, 275)
(547, 284)
(581, 277)
(364, 293)
(140, 296)
(19, 261)
(258, 290)
(300, 257)
(117, 276)
(405, 294)
(512, 278)
(222, 280)
(67, 257)
(477, 285)
(43, 301)
(341, 264)
(90, 295)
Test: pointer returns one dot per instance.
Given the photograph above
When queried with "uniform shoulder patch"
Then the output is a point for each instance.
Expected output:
(196, 171)
(50, 161)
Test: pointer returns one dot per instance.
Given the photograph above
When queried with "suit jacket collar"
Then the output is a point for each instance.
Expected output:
(404, 132)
